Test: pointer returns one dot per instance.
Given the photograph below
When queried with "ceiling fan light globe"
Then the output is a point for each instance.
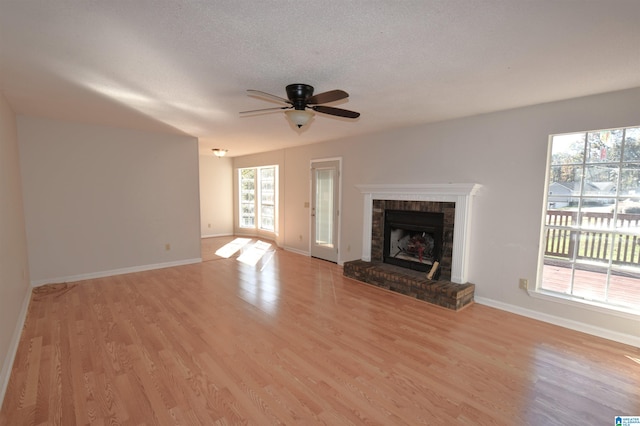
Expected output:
(299, 117)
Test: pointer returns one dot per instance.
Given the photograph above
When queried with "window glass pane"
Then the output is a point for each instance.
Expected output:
(560, 242)
(324, 207)
(267, 174)
(626, 250)
(557, 276)
(624, 288)
(266, 223)
(568, 149)
(590, 283)
(567, 174)
(564, 186)
(267, 218)
(267, 192)
(248, 209)
(632, 144)
(248, 174)
(600, 180)
(268, 199)
(604, 146)
(594, 246)
(630, 179)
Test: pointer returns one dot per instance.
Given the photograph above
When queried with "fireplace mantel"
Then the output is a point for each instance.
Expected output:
(459, 193)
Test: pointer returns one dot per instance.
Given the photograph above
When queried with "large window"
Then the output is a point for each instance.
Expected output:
(258, 197)
(591, 235)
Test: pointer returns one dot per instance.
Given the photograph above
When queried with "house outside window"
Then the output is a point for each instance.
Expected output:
(591, 232)
(258, 205)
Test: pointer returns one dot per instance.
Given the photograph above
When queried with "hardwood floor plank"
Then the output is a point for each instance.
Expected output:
(291, 341)
(29, 395)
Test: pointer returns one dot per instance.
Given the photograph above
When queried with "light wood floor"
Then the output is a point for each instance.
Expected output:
(291, 341)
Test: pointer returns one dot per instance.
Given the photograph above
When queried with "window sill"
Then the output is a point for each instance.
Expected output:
(577, 302)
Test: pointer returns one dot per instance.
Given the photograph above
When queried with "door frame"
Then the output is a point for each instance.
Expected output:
(311, 218)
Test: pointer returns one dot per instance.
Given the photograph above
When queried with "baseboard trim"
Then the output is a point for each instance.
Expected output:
(101, 274)
(7, 366)
(307, 254)
(627, 339)
(216, 235)
(295, 250)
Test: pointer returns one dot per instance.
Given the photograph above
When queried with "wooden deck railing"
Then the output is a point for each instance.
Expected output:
(595, 238)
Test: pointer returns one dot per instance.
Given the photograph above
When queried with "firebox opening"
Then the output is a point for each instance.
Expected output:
(413, 239)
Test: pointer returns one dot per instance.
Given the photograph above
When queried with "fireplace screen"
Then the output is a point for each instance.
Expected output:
(413, 246)
(413, 239)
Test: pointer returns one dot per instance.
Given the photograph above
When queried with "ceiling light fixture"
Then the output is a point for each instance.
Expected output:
(219, 152)
(299, 117)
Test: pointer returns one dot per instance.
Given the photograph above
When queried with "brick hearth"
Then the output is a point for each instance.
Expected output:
(411, 283)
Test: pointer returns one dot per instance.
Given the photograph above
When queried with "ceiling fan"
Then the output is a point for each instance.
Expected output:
(300, 98)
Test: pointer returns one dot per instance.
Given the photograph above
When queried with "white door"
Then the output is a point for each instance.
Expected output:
(325, 196)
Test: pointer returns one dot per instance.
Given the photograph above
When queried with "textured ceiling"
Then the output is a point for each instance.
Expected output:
(184, 66)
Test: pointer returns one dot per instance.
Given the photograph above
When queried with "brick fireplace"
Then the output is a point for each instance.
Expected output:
(453, 201)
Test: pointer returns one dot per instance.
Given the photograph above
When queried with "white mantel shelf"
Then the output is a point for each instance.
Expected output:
(459, 193)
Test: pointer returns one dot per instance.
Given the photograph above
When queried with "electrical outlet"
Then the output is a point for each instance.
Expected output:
(523, 283)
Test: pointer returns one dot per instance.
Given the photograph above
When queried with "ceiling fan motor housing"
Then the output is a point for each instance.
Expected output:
(298, 95)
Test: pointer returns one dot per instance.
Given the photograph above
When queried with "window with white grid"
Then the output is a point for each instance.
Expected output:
(591, 232)
(258, 200)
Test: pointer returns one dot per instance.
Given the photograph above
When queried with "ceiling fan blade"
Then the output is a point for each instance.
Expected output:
(262, 94)
(326, 97)
(336, 111)
(254, 111)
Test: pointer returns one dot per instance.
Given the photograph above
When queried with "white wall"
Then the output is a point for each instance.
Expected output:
(503, 151)
(101, 200)
(14, 275)
(216, 196)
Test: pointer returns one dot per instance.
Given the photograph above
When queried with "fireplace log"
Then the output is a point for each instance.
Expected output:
(433, 270)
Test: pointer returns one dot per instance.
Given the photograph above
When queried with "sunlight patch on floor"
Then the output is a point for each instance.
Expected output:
(267, 259)
(252, 255)
(636, 360)
(231, 248)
